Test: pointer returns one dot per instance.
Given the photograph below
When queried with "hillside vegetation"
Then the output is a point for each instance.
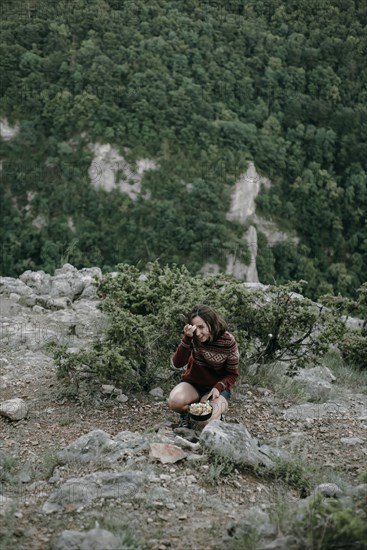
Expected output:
(201, 87)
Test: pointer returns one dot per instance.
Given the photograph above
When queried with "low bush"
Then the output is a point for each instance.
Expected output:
(147, 312)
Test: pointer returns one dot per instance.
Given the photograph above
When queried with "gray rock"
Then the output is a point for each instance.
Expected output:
(316, 381)
(68, 540)
(329, 490)
(156, 392)
(351, 440)
(89, 293)
(281, 543)
(66, 269)
(122, 398)
(107, 389)
(38, 281)
(359, 491)
(8, 286)
(6, 505)
(259, 519)
(233, 441)
(38, 309)
(15, 409)
(82, 491)
(314, 411)
(275, 452)
(99, 446)
(96, 539)
(61, 288)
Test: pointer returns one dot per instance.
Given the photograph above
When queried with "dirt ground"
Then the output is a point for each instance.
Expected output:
(55, 420)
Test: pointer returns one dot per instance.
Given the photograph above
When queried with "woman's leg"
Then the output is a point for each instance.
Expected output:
(220, 406)
(182, 396)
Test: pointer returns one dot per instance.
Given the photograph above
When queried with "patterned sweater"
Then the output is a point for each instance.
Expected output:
(209, 364)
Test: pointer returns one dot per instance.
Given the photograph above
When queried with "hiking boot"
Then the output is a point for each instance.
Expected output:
(184, 421)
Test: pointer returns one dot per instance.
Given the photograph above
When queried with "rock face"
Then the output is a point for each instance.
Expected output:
(243, 210)
(6, 131)
(109, 170)
(63, 308)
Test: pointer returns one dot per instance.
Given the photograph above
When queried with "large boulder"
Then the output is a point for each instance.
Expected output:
(316, 382)
(234, 441)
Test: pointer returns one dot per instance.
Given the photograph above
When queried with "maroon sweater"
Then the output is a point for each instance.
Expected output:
(209, 364)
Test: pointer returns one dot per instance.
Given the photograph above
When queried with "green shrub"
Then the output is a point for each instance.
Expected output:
(147, 312)
(329, 525)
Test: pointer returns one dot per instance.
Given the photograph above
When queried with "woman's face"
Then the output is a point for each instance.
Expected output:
(202, 331)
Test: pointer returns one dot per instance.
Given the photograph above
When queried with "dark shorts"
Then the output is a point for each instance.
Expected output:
(202, 391)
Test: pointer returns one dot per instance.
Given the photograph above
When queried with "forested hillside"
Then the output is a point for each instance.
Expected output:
(201, 87)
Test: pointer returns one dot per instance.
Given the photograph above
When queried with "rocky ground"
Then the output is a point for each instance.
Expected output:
(198, 501)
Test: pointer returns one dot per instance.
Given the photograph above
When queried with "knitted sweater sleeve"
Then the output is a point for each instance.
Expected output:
(183, 352)
(232, 363)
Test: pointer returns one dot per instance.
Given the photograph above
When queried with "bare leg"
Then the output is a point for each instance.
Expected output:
(220, 406)
(182, 396)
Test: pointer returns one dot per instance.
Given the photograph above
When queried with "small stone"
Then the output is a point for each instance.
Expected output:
(166, 452)
(351, 440)
(122, 398)
(328, 490)
(156, 392)
(15, 409)
(107, 389)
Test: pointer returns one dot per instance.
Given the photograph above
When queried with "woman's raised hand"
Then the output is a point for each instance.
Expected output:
(189, 330)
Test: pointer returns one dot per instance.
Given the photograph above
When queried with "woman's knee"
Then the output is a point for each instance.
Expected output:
(176, 401)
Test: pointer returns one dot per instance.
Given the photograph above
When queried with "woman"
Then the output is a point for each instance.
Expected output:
(211, 355)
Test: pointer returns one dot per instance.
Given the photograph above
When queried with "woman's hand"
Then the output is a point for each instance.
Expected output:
(189, 330)
(213, 394)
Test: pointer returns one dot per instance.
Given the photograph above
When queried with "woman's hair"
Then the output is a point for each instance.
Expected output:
(216, 324)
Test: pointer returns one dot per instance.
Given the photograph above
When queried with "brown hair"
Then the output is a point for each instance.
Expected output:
(216, 324)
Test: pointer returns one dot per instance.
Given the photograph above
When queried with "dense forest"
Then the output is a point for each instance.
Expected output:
(201, 87)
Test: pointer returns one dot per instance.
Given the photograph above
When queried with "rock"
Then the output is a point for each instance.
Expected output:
(15, 409)
(316, 381)
(281, 543)
(98, 445)
(38, 281)
(8, 286)
(351, 440)
(6, 505)
(156, 392)
(329, 490)
(68, 540)
(359, 491)
(80, 492)
(275, 452)
(313, 411)
(259, 520)
(122, 398)
(96, 539)
(166, 452)
(234, 442)
(38, 309)
(107, 389)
